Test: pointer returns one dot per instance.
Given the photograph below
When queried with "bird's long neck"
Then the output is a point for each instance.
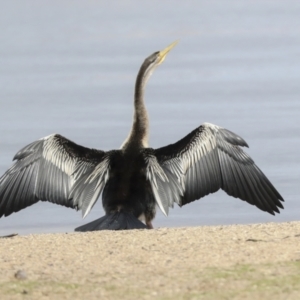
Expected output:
(138, 136)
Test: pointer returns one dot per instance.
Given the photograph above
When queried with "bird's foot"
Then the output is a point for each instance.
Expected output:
(149, 225)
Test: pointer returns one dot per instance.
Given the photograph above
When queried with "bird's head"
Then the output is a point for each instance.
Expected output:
(158, 57)
(154, 60)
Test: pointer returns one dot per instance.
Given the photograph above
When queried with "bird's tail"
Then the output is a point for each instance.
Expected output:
(114, 221)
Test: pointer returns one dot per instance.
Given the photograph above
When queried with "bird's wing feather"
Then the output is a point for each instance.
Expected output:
(165, 185)
(210, 158)
(57, 170)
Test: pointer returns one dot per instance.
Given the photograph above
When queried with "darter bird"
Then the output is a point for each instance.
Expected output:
(136, 178)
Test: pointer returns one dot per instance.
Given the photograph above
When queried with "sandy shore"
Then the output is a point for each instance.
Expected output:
(260, 261)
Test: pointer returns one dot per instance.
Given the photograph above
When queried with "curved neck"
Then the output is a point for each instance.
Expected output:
(138, 136)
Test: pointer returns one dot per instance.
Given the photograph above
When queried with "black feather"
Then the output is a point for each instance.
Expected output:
(113, 221)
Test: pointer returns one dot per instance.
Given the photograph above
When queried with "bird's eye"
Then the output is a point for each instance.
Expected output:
(154, 56)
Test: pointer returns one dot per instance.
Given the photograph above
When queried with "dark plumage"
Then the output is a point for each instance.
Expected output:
(136, 178)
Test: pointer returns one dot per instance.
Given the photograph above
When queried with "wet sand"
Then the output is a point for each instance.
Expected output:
(260, 261)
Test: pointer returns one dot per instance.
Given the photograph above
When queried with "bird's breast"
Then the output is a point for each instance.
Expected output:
(127, 187)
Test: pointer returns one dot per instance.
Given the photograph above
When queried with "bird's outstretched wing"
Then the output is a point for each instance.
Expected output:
(57, 170)
(207, 159)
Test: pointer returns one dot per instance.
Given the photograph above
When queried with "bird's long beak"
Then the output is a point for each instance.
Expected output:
(163, 53)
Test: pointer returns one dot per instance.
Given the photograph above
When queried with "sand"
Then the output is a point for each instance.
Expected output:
(260, 261)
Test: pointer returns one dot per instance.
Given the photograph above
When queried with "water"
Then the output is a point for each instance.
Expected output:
(69, 67)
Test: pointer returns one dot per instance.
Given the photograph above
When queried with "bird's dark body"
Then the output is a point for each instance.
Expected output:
(127, 188)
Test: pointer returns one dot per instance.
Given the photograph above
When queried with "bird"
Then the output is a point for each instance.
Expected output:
(136, 179)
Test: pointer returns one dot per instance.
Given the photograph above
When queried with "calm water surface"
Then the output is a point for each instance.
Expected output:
(69, 67)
